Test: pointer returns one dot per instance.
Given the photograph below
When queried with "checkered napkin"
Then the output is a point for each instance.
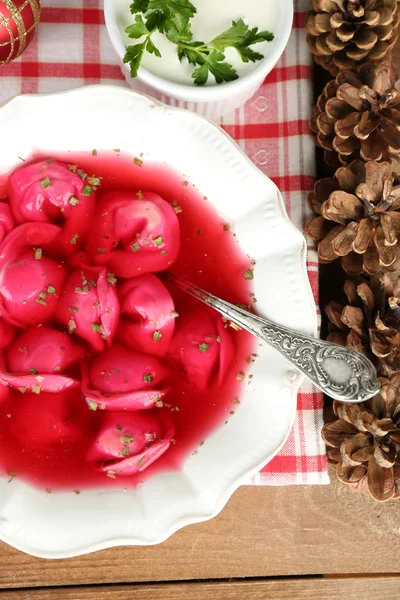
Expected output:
(72, 49)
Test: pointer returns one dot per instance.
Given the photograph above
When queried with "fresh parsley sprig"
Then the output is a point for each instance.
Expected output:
(172, 18)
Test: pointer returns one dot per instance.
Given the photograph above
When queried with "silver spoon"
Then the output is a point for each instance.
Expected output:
(339, 372)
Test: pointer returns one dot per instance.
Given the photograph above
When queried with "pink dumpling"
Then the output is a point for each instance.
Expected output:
(89, 306)
(43, 349)
(30, 281)
(147, 314)
(49, 191)
(204, 347)
(121, 379)
(38, 359)
(128, 443)
(134, 235)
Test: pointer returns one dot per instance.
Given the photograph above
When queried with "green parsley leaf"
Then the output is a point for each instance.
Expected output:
(233, 35)
(74, 201)
(139, 6)
(138, 29)
(133, 56)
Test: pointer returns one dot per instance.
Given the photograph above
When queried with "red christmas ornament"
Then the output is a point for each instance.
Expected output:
(18, 22)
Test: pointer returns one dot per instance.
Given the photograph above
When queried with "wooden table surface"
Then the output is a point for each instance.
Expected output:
(287, 543)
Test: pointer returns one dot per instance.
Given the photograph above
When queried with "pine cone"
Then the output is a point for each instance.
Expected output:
(370, 322)
(342, 33)
(359, 218)
(365, 442)
(358, 115)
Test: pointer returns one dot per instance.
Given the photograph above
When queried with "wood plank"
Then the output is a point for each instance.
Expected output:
(384, 588)
(263, 531)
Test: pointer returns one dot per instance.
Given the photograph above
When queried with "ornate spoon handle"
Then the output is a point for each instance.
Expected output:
(339, 372)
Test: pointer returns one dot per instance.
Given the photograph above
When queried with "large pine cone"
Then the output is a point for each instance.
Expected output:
(359, 218)
(365, 442)
(370, 321)
(358, 115)
(342, 33)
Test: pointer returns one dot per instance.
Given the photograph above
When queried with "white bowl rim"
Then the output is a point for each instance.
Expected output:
(192, 92)
(294, 386)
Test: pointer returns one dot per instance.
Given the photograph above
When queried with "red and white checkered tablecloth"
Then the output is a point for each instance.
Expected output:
(72, 49)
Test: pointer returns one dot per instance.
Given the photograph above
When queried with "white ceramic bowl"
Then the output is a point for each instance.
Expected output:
(64, 524)
(210, 101)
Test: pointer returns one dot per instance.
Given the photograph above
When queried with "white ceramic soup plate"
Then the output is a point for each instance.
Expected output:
(105, 117)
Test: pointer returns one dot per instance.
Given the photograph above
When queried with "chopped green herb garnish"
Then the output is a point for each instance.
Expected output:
(249, 274)
(51, 290)
(22, 389)
(140, 463)
(74, 238)
(158, 240)
(73, 168)
(73, 309)
(157, 336)
(74, 201)
(45, 183)
(92, 405)
(57, 368)
(24, 301)
(94, 181)
(40, 300)
(38, 253)
(111, 278)
(127, 439)
(81, 173)
(135, 247)
(125, 451)
(87, 191)
(204, 347)
(174, 314)
(159, 403)
(36, 389)
(32, 371)
(139, 195)
(148, 378)
(138, 162)
(71, 325)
